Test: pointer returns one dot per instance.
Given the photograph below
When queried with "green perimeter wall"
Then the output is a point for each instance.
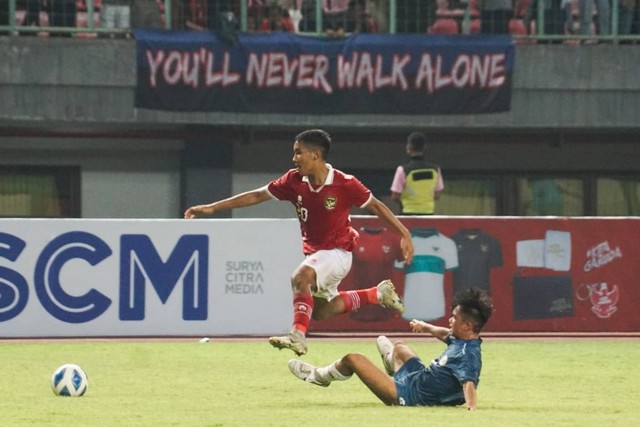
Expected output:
(91, 83)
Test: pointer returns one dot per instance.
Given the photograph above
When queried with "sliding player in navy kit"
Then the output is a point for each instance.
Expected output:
(451, 379)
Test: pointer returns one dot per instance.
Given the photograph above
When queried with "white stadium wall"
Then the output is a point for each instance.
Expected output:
(69, 278)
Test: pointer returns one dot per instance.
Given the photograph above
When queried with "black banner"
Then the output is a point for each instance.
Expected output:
(288, 73)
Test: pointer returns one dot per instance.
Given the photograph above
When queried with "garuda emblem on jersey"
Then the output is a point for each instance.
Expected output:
(330, 203)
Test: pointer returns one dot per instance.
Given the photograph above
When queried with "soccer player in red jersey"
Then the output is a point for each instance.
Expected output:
(323, 197)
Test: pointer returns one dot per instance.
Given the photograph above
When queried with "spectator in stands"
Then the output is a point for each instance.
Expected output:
(495, 16)
(222, 19)
(252, 25)
(335, 17)
(177, 14)
(293, 9)
(4, 15)
(188, 14)
(585, 14)
(220, 14)
(339, 16)
(557, 16)
(256, 7)
(363, 21)
(195, 15)
(378, 11)
(277, 19)
(448, 18)
(308, 16)
(625, 16)
(115, 15)
(413, 16)
(257, 10)
(62, 13)
(145, 14)
(31, 16)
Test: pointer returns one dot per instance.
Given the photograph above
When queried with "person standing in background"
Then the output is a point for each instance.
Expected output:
(277, 19)
(62, 13)
(413, 16)
(495, 16)
(625, 16)
(585, 15)
(557, 16)
(115, 15)
(31, 16)
(4, 15)
(145, 14)
(378, 12)
(335, 16)
(417, 184)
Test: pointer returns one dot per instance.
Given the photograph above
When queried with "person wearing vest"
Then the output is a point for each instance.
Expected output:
(418, 183)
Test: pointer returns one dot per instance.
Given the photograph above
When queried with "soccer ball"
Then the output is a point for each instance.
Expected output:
(69, 380)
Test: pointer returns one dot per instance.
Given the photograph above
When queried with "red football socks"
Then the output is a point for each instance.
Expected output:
(302, 310)
(353, 300)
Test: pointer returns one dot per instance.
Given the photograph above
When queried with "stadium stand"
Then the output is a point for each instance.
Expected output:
(561, 19)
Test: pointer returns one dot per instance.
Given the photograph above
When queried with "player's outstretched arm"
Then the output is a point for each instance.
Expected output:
(470, 395)
(241, 200)
(437, 331)
(378, 208)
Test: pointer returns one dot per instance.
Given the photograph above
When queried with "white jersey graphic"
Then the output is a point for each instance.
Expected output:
(557, 250)
(424, 280)
(530, 253)
(554, 252)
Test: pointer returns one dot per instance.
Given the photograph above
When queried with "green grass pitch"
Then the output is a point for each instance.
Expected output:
(226, 383)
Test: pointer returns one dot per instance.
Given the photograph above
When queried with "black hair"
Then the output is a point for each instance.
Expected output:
(417, 141)
(316, 138)
(475, 306)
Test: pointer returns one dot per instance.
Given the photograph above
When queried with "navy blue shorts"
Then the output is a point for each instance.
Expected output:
(404, 377)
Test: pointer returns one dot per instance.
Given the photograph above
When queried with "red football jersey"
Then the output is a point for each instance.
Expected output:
(324, 211)
(375, 256)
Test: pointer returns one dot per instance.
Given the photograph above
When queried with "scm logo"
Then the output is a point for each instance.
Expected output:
(139, 265)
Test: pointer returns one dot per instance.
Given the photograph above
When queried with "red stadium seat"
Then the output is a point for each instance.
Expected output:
(82, 21)
(444, 26)
(83, 5)
(517, 27)
(474, 26)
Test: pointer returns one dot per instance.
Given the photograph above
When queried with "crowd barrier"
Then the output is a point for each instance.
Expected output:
(101, 278)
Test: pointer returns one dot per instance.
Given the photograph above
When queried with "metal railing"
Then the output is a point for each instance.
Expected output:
(555, 20)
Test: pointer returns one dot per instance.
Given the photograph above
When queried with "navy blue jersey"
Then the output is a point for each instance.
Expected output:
(440, 383)
(478, 253)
